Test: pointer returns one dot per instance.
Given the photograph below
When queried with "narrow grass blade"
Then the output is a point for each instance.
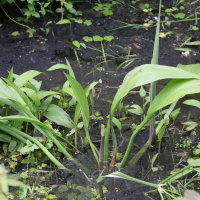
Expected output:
(153, 84)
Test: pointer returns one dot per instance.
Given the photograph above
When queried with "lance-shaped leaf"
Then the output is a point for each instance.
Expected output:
(143, 75)
(32, 94)
(81, 98)
(42, 94)
(58, 115)
(146, 74)
(25, 77)
(192, 102)
(174, 90)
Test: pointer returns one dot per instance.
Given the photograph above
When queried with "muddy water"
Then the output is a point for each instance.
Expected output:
(24, 53)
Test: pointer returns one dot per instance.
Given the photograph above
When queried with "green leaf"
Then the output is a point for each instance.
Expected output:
(46, 103)
(24, 175)
(58, 115)
(154, 159)
(108, 12)
(12, 145)
(71, 73)
(191, 195)
(60, 10)
(69, 91)
(142, 92)
(73, 11)
(91, 99)
(30, 1)
(183, 49)
(48, 23)
(17, 90)
(137, 110)
(64, 21)
(190, 125)
(192, 43)
(25, 77)
(58, 66)
(79, 12)
(161, 132)
(174, 90)
(81, 98)
(36, 14)
(32, 94)
(10, 1)
(46, 4)
(192, 102)
(99, 7)
(42, 94)
(179, 15)
(87, 22)
(194, 162)
(147, 74)
(5, 138)
(83, 45)
(80, 21)
(76, 43)
(124, 176)
(193, 68)
(87, 39)
(179, 176)
(117, 123)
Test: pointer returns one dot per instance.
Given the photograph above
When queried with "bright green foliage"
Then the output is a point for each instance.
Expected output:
(64, 21)
(108, 12)
(97, 38)
(108, 38)
(179, 15)
(87, 39)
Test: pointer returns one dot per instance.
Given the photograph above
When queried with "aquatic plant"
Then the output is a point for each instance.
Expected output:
(185, 80)
(81, 95)
(13, 94)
